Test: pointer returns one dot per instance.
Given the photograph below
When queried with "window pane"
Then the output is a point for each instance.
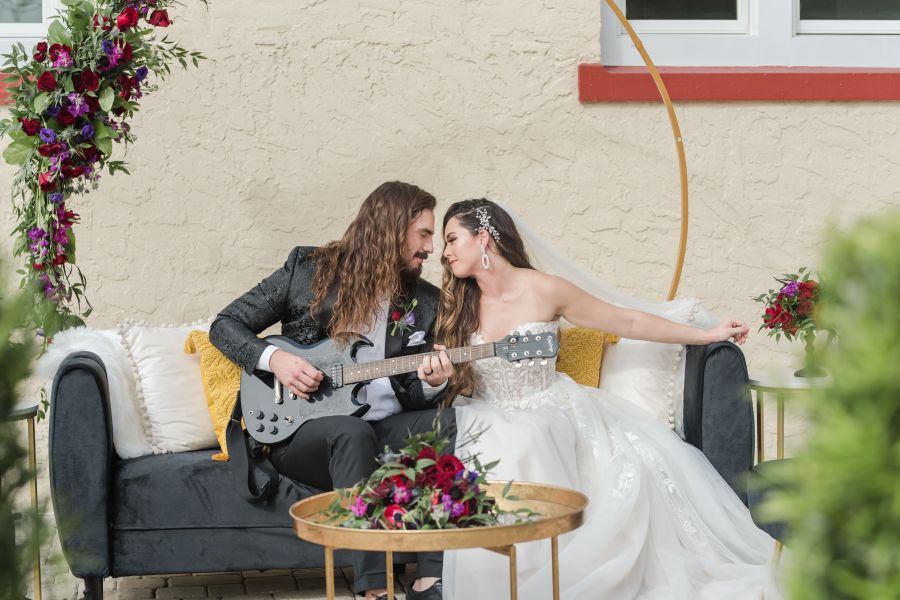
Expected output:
(682, 9)
(850, 9)
(20, 11)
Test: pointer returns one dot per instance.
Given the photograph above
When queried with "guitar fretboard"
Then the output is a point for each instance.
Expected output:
(354, 373)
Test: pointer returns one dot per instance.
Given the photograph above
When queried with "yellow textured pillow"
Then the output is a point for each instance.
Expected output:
(580, 354)
(221, 382)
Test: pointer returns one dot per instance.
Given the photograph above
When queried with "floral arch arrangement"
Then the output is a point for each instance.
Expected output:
(75, 93)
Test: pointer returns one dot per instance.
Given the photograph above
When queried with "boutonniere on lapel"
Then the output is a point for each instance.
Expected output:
(404, 320)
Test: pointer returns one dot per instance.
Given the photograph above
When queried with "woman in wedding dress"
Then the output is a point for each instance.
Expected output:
(661, 522)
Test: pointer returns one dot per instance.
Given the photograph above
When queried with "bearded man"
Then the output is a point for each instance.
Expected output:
(367, 283)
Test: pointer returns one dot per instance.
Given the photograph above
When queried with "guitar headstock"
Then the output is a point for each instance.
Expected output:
(528, 346)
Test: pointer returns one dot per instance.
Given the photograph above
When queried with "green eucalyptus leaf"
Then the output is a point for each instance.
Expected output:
(57, 34)
(101, 131)
(18, 151)
(41, 101)
(105, 146)
(107, 96)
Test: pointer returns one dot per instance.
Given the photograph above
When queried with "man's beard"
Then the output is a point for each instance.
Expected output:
(410, 274)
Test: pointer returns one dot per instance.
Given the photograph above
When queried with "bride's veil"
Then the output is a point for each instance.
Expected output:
(549, 260)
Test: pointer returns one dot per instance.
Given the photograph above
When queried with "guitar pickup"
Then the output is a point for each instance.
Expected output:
(337, 376)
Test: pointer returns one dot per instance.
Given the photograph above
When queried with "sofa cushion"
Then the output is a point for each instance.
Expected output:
(188, 490)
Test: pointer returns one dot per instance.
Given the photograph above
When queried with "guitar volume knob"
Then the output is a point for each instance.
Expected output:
(260, 427)
(273, 418)
(260, 415)
(273, 430)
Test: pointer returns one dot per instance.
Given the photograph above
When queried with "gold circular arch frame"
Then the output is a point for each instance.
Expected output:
(679, 144)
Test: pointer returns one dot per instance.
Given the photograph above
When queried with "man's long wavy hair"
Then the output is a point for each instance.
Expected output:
(460, 298)
(369, 263)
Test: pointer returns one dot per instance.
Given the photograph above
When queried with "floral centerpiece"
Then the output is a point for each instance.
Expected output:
(74, 94)
(423, 487)
(790, 311)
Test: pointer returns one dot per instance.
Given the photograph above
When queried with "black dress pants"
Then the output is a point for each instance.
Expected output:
(339, 452)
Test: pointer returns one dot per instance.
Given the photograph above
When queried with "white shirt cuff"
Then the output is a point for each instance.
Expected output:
(263, 363)
(429, 391)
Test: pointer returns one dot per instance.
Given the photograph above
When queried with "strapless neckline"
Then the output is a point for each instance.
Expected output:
(520, 328)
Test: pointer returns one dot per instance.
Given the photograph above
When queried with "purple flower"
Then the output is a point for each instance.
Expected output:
(56, 197)
(402, 494)
(79, 106)
(107, 46)
(446, 502)
(410, 318)
(791, 289)
(36, 233)
(141, 73)
(53, 110)
(87, 132)
(48, 136)
(359, 507)
(457, 509)
(472, 476)
(63, 60)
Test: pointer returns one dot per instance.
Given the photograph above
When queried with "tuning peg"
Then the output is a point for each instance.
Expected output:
(531, 363)
(543, 361)
(519, 365)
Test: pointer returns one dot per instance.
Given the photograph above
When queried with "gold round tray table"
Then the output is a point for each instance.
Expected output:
(561, 510)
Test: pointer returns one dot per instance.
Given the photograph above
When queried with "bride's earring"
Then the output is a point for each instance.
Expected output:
(485, 261)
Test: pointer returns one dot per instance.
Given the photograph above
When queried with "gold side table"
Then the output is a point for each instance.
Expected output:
(28, 412)
(562, 510)
(781, 383)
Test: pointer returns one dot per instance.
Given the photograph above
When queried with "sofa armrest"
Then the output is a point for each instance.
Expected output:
(718, 414)
(81, 456)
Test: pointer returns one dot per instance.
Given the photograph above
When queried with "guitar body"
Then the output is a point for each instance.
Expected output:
(269, 412)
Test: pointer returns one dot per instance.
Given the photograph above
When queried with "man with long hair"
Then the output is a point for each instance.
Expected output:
(367, 283)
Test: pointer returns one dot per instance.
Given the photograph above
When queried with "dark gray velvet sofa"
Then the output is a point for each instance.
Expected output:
(181, 513)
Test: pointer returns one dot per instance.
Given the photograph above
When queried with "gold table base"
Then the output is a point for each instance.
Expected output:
(561, 510)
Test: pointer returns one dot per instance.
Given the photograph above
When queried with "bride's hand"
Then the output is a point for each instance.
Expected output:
(435, 370)
(727, 329)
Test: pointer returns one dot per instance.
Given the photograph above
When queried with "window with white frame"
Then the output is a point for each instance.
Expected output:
(796, 33)
(24, 21)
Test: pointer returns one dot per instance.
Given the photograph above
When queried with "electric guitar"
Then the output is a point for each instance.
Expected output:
(272, 413)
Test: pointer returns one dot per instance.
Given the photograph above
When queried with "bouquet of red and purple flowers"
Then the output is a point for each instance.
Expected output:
(423, 487)
(790, 310)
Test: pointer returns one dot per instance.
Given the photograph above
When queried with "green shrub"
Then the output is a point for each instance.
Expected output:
(15, 361)
(843, 490)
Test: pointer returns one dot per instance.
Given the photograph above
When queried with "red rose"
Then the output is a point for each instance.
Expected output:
(396, 315)
(89, 153)
(771, 317)
(442, 481)
(50, 149)
(427, 452)
(805, 308)
(46, 181)
(393, 514)
(41, 47)
(61, 259)
(46, 82)
(72, 172)
(90, 80)
(159, 18)
(808, 289)
(64, 117)
(30, 126)
(39, 56)
(127, 19)
(400, 481)
(37, 267)
(93, 103)
(448, 463)
(126, 51)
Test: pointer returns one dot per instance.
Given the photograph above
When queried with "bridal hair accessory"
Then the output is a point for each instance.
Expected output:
(485, 261)
(485, 219)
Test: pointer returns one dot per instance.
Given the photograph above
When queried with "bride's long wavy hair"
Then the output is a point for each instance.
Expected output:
(369, 262)
(460, 298)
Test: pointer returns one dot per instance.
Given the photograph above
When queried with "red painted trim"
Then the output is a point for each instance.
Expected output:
(597, 83)
(5, 98)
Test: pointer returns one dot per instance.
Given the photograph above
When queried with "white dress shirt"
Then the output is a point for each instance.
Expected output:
(378, 393)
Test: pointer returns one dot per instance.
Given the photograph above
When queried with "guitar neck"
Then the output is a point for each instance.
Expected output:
(354, 373)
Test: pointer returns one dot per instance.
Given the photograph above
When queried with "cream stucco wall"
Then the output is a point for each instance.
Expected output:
(305, 106)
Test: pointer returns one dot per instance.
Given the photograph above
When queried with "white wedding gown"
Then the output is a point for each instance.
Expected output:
(661, 522)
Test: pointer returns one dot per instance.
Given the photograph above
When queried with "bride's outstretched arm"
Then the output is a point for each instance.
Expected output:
(585, 310)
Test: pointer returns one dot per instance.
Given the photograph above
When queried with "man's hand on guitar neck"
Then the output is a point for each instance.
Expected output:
(296, 374)
(436, 370)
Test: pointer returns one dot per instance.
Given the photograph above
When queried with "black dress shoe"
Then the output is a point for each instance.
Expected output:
(435, 592)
